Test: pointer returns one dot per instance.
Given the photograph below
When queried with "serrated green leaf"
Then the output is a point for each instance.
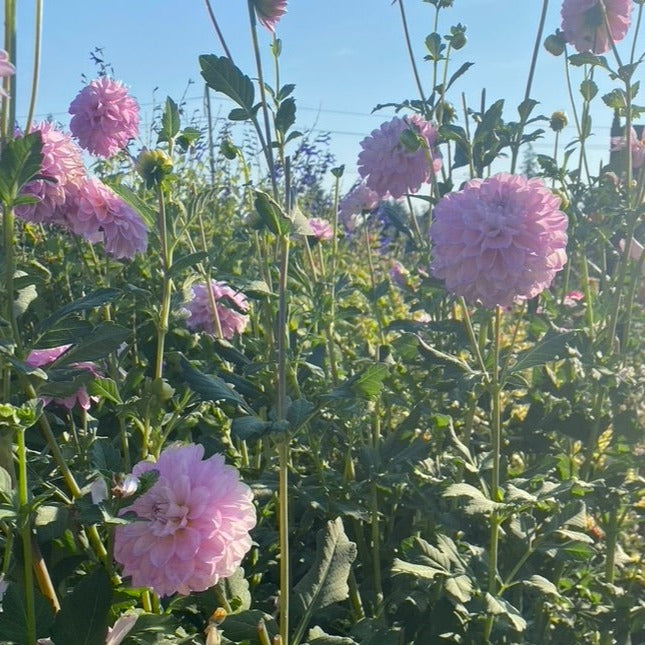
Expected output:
(105, 388)
(242, 627)
(104, 339)
(250, 427)
(147, 214)
(503, 608)
(542, 585)
(271, 213)
(21, 160)
(186, 262)
(326, 582)
(223, 76)
(13, 619)
(170, 122)
(552, 346)
(285, 116)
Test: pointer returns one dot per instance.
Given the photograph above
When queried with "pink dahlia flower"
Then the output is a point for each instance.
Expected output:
(359, 200)
(63, 168)
(269, 12)
(105, 117)
(102, 216)
(584, 27)
(499, 239)
(392, 167)
(618, 144)
(321, 229)
(6, 69)
(44, 357)
(399, 274)
(192, 526)
(231, 308)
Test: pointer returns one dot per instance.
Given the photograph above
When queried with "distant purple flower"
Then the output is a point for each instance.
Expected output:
(44, 357)
(321, 229)
(499, 239)
(102, 216)
(105, 117)
(398, 273)
(269, 12)
(63, 168)
(393, 167)
(358, 201)
(6, 69)
(583, 24)
(231, 306)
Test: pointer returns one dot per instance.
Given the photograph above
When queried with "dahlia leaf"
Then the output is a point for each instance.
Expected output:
(251, 427)
(147, 214)
(97, 298)
(543, 585)
(83, 618)
(460, 72)
(13, 625)
(326, 581)
(317, 636)
(501, 607)
(64, 332)
(552, 347)
(223, 76)
(186, 262)
(21, 160)
(285, 116)
(170, 122)
(587, 58)
(243, 626)
(285, 91)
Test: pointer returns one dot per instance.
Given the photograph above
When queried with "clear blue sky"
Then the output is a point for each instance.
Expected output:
(344, 56)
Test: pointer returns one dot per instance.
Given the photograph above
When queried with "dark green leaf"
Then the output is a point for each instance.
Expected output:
(285, 116)
(20, 161)
(104, 339)
(106, 388)
(186, 262)
(13, 619)
(250, 427)
(95, 299)
(223, 76)
(169, 121)
(552, 346)
(147, 214)
(243, 627)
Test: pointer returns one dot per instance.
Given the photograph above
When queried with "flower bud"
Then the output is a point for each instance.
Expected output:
(554, 44)
(558, 121)
(154, 166)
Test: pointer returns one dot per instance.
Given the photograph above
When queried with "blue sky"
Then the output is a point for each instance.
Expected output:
(345, 56)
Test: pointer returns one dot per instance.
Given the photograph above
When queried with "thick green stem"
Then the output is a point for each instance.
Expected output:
(25, 535)
(164, 313)
(610, 541)
(36, 73)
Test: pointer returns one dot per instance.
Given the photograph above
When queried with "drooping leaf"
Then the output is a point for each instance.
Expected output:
(83, 618)
(223, 76)
(95, 299)
(551, 347)
(104, 339)
(186, 262)
(326, 582)
(105, 388)
(500, 607)
(147, 214)
(543, 585)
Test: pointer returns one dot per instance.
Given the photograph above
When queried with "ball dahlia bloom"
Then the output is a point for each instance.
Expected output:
(392, 167)
(321, 229)
(102, 216)
(359, 200)
(231, 308)
(192, 526)
(6, 69)
(104, 117)
(618, 144)
(498, 239)
(63, 168)
(269, 12)
(583, 23)
(44, 357)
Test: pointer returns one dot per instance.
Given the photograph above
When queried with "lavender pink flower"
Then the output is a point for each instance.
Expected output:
(321, 229)
(192, 526)
(231, 306)
(499, 239)
(393, 167)
(45, 357)
(102, 216)
(584, 26)
(63, 171)
(6, 69)
(269, 12)
(105, 117)
(618, 144)
(358, 201)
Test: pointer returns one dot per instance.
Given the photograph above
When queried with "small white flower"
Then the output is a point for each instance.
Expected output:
(99, 490)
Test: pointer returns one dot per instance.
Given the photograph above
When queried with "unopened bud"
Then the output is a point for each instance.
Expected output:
(558, 121)
(554, 44)
(154, 166)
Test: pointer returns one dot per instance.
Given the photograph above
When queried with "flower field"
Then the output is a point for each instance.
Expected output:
(244, 402)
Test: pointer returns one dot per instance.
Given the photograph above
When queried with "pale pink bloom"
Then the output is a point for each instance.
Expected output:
(44, 357)
(105, 117)
(393, 167)
(191, 527)
(583, 24)
(398, 273)
(499, 239)
(63, 171)
(358, 201)
(231, 308)
(573, 298)
(637, 147)
(6, 69)
(120, 629)
(99, 491)
(321, 229)
(102, 216)
(269, 12)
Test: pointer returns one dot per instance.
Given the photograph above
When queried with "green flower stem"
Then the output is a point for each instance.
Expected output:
(9, 82)
(268, 150)
(36, 73)
(374, 515)
(218, 31)
(496, 431)
(283, 446)
(164, 313)
(586, 286)
(25, 535)
(574, 109)
(472, 338)
(631, 294)
(515, 149)
(415, 70)
(611, 537)
(332, 282)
